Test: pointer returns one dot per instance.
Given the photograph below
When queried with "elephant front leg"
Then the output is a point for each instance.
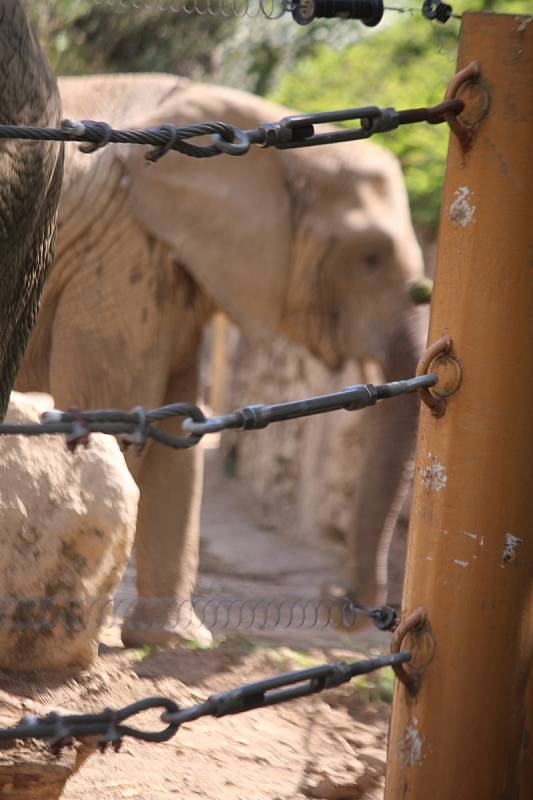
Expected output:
(167, 537)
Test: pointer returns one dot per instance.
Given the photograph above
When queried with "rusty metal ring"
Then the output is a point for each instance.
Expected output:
(238, 147)
(415, 620)
(469, 73)
(442, 346)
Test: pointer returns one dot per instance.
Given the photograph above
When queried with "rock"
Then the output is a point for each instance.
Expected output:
(67, 521)
(374, 758)
(351, 773)
(331, 789)
(362, 739)
(28, 769)
(304, 475)
(41, 400)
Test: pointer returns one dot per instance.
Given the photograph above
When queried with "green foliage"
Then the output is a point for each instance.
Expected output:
(81, 37)
(402, 66)
(379, 686)
(192, 644)
(144, 652)
(405, 63)
(259, 52)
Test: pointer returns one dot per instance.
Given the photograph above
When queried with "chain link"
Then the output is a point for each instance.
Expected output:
(137, 426)
(291, 132)
(110, 728)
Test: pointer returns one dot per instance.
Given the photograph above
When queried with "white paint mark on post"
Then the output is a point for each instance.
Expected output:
(460, 563)
(434, 476)
(510, 549)
(461, 210)
(523, 23)
(411, 744)
(470, 535)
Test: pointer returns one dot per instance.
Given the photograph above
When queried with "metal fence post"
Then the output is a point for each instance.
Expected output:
(458, 734)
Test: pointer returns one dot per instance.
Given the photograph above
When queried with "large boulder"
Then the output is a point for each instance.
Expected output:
(303, 475)
(67, 522)
(30, 769)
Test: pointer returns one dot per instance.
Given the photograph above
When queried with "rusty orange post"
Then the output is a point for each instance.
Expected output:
(457, 728)
(527, 766)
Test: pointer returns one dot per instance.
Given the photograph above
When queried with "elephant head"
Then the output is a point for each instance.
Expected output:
(30, 179)
(317, 244)
(355, 268)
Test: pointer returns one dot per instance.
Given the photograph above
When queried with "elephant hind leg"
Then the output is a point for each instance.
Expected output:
(167, 537)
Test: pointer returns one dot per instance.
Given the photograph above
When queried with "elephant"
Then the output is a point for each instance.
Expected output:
(30, 180)
(314, 243)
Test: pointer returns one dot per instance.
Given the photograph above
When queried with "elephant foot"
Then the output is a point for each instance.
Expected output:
(164, 623)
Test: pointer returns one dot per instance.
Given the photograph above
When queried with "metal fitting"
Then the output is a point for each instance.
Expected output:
(439, 360)
(369, 12)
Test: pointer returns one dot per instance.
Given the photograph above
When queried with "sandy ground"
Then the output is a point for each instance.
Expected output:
(329, 746)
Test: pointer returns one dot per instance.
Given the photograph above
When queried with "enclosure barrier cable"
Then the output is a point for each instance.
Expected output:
(38, 615)
(291, 132)
(109, 727)
(137, 426)
(369, 12)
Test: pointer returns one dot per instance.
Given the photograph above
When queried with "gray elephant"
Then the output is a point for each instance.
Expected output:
(315, 243)
(30, 181)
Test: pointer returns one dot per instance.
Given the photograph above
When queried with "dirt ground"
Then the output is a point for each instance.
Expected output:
(329, 746)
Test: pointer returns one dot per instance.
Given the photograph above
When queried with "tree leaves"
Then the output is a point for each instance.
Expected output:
(81, 37)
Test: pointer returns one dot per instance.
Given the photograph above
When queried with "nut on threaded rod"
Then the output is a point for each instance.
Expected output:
(369, 12)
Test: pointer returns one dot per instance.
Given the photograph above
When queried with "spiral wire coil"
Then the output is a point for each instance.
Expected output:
(270, 9)
(275, 9)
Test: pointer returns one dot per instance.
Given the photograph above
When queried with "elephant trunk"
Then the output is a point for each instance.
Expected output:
(388, 461)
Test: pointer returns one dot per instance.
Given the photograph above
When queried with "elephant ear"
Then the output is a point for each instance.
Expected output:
(227, 218)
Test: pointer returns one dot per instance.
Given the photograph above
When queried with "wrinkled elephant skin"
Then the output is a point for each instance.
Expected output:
(30, 183)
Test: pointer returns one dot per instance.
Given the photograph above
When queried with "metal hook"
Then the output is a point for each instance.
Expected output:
(470, 73)
(158, 152)
(102, 130)
(435, 398)
(238, 148)
(414, 621)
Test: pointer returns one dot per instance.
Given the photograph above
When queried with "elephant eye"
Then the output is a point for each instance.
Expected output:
(371, 261)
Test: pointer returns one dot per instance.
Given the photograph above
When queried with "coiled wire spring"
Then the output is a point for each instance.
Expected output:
(369, 12)
(270, 9)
